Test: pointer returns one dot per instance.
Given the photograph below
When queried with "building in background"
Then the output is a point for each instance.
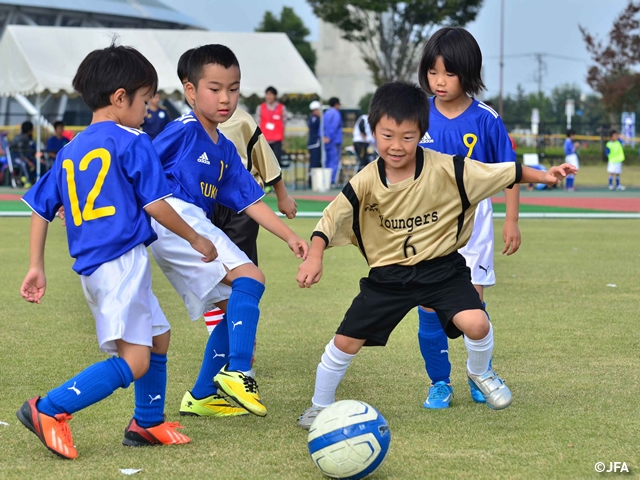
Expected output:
(340, 68)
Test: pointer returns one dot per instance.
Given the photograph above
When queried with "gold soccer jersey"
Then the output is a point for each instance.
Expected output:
(255, 152)
(424, 217)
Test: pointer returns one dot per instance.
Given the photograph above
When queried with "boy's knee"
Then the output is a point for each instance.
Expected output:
(138, 366)
(161, 343)
(478, 329)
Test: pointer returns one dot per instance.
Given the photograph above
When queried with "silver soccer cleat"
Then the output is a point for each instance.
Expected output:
(495, 392)
(308, 416)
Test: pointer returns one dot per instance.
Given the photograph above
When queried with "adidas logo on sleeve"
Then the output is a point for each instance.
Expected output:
(427, 138)
(204, 159)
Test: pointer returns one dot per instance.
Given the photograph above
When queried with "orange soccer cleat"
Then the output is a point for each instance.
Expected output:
(54, 432)
(162, 434)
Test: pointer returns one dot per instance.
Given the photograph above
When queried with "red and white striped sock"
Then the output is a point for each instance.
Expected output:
(213, 318)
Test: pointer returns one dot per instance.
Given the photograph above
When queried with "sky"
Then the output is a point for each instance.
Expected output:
(543, 26)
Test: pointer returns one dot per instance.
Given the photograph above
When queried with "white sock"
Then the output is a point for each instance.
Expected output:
(480, 352)
(330, 371)
(213, 318)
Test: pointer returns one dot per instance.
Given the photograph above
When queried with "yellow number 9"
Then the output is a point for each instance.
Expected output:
(470, 141)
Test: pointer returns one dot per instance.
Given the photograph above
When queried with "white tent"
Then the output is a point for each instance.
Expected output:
(44, 59)
(37, 60)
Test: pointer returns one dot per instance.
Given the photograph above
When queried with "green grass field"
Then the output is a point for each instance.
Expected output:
(566, 344)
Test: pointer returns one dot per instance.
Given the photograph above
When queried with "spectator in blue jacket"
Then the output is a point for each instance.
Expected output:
(333, 137)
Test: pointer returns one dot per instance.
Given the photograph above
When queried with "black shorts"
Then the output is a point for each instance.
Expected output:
(389, 293)
(240, 228)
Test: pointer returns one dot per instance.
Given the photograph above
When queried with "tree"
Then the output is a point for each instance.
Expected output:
(613, 75)
(390, 33)
(294, 27)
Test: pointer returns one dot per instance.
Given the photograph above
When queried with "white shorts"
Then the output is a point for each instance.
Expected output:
(614, 168)
(479, 251)
(573, 160)
(121, 301)
(197, 282)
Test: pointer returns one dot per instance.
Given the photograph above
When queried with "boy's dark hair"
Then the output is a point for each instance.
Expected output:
(333, 101)
(26, 127)
(183, 64)
(209, 54)
(104, 71)
(400, 101)
(570, 132)
(612, 133)
(58, 123)
(461, 55)
(271, 90)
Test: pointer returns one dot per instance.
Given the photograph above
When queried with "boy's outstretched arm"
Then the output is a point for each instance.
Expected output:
(286, 204)
(510, 230)
(551, 177)
(166, 216)
(35, 282)
(265, 217)
(310, 271)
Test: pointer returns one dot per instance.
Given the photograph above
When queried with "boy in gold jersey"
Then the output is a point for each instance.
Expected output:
(408, 213)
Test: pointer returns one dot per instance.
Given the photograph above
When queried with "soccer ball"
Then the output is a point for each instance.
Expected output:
(349, 439)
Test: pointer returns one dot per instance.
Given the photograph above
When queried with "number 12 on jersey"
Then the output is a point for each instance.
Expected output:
(88, 212)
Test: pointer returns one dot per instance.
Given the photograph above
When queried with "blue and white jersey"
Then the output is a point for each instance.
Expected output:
(202, 172)
(477, 133)
(104, 178)
(569, 146)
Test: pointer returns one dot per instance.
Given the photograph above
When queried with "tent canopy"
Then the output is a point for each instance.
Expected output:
(45, 59)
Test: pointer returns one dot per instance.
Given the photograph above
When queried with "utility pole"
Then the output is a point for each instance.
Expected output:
(542, 66)
(501, 56)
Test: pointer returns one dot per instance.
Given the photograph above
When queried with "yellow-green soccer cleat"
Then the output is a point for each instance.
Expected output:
(212, 406)
(241, 388)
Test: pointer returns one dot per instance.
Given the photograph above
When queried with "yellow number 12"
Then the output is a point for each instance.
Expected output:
(88, 213)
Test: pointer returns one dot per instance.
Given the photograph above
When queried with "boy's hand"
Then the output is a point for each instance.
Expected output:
(309, 272)
(33, 285)
(61, 215)
(511, 237)
(206, 248)
(555, 175)
(299, 247)
(288, 206)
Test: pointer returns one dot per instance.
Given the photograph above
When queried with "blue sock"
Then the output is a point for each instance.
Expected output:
(242, 321)
(569, 181)
(216, 355)
(88, 387)
(617, 181)
(611, 180)
(434, 347)
(150, 391)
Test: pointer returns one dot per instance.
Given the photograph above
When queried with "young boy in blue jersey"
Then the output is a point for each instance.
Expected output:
(571, 157)
(258, 158)
(109, 180)
(450, 70)
(409, 212)
(203, 167)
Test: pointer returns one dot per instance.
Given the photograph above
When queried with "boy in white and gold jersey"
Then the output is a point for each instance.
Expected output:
(408, 213)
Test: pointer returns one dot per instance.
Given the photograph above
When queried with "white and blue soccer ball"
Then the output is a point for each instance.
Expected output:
(349, 440)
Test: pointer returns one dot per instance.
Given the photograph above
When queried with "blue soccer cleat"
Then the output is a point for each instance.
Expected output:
(440, 396)
(476, 394)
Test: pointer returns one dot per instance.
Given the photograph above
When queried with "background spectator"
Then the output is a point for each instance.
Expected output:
(314, 144)
(333, 138)
(271, 116)
(157, 117)
(55, 143)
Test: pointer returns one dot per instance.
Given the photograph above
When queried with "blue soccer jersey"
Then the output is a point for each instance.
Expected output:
(202, 172)
(104, 178)
(477, 133)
